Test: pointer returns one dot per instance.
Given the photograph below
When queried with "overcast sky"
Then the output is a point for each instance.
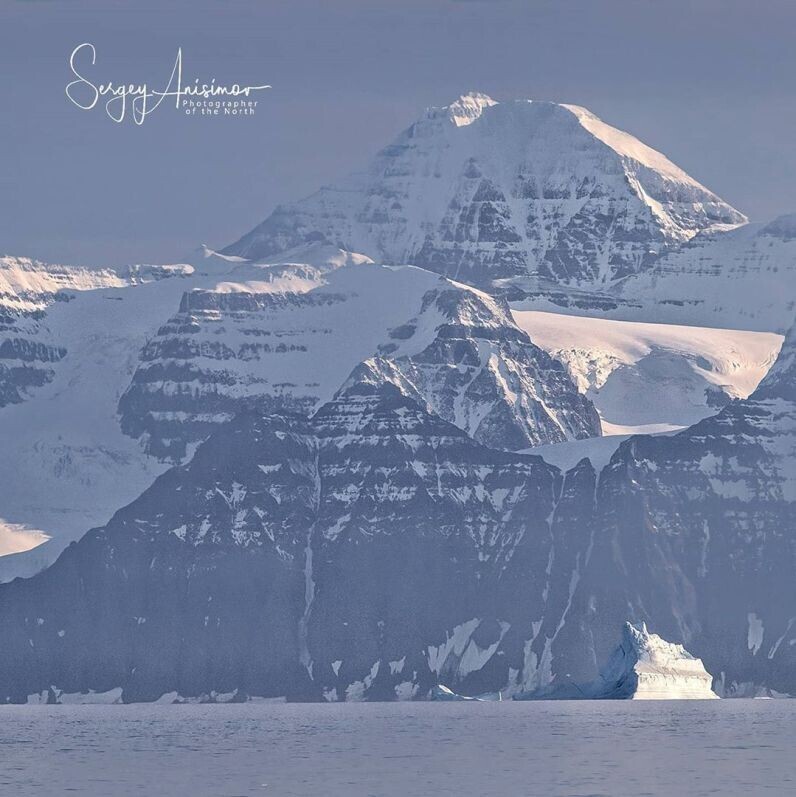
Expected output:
(711, 83)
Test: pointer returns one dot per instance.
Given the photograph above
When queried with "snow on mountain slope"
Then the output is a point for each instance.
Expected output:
(481, 373)
(28, 349)
(515, 192)
(168, 361)
(14, 539)
(645, 377)
(28, 284)
(409, 555)
(743, 278)
(66, 464)
(27, 287)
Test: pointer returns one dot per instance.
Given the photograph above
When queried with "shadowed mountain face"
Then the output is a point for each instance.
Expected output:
(742, 278)
(107, 377)
(286, 545)
(376, 549)
(459, 350)
(517, 193)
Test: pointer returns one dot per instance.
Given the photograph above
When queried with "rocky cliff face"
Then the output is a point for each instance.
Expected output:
(512, 195)
(244, 346)
(302, 558)
(376, 550)
(740, 278)
(27, 350)
(128, 371)
(482, 373)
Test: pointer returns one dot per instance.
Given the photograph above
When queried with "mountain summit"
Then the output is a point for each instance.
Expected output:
(522, 193)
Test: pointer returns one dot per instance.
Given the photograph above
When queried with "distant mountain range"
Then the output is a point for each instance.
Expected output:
(375, 549)
(555, 209)
(324, 439)
(108, 379)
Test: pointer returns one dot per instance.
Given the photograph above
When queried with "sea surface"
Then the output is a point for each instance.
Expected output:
(729, 747)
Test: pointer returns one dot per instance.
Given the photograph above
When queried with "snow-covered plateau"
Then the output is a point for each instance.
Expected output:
(645, 377)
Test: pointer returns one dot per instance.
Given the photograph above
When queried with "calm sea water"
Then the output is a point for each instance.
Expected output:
(732, 747)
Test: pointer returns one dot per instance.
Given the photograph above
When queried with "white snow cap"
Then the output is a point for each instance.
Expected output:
(629, 146)
(469, 107)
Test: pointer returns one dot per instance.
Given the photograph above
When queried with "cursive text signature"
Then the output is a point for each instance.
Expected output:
(139, 99)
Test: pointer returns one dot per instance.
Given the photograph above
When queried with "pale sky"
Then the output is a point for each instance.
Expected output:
(710, 83)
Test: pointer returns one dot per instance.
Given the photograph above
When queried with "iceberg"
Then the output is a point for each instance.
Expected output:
(442, 692)
(644, 666)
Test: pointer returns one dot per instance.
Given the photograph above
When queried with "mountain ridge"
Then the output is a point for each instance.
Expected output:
(413, 555)
(485, 191)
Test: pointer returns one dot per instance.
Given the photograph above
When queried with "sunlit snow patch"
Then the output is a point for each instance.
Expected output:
(16, 537)
(653, 378)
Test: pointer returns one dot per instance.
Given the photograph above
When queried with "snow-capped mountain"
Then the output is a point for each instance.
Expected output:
(481, 373)
(518, 195)
(247, 345)
(375, 550)
(152, 359)
(347, 515)
(743, 278)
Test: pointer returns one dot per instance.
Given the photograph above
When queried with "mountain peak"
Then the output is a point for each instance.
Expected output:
(628, 146)
(505, 195)
(782, 227)
(467, 108)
